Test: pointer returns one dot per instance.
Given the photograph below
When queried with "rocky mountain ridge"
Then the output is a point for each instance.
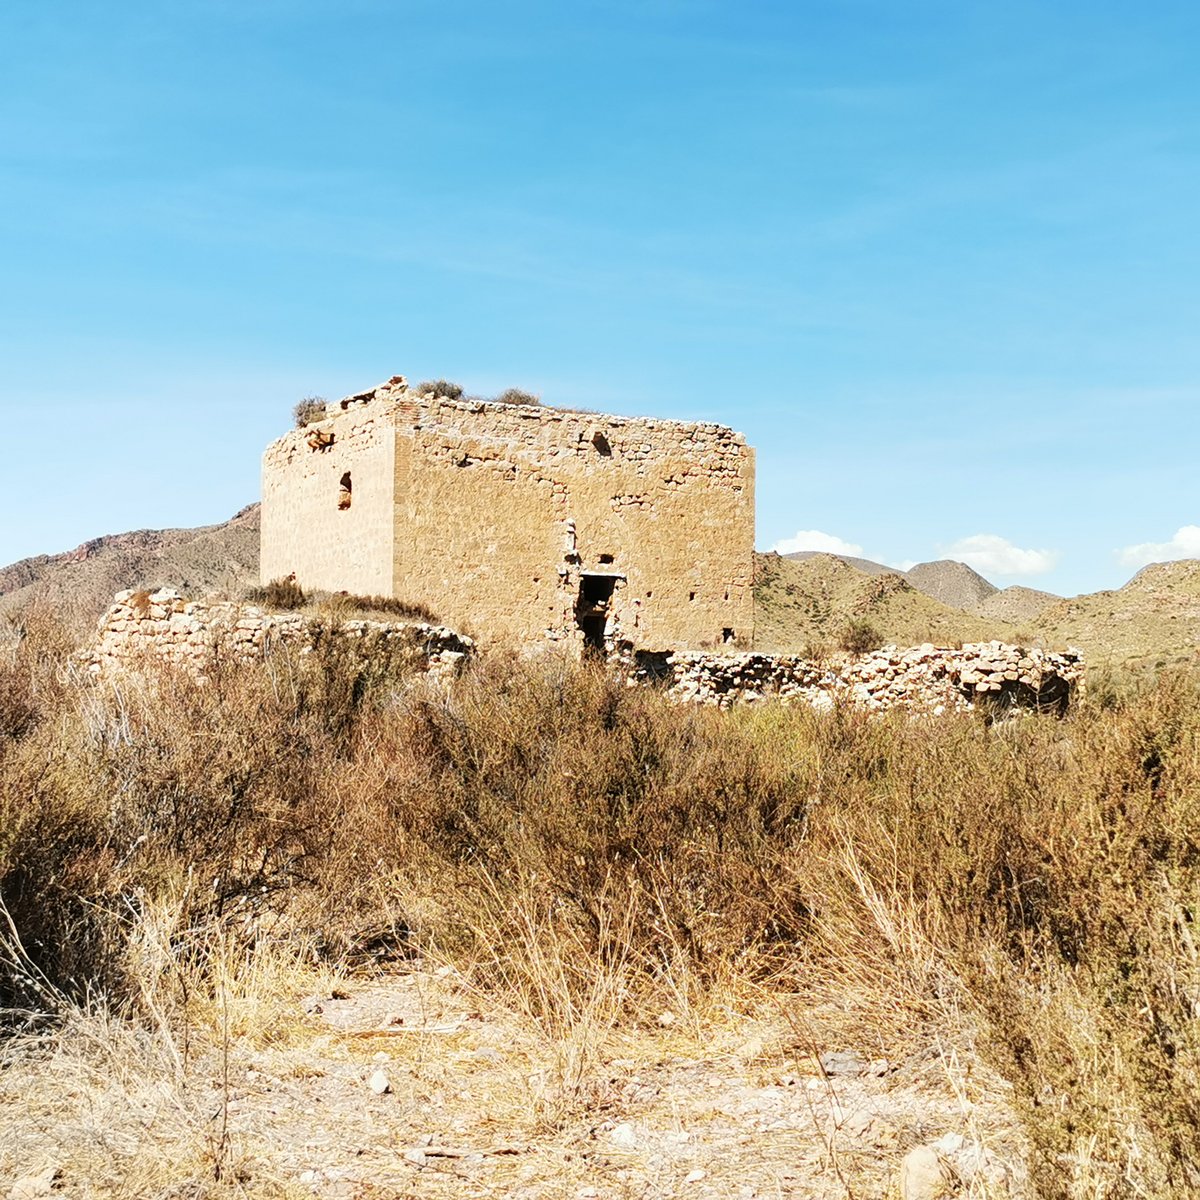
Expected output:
(958, 585)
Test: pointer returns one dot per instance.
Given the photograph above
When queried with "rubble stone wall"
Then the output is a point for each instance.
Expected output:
(926, 678)
(163, 626)
(500, 513)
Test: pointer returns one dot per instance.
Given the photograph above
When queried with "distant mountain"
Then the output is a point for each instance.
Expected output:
(82, 581)
(953, 583)
(808, 602)
(865, 565)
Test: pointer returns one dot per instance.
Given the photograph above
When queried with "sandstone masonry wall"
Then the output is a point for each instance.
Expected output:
(522, 522)
(161, 625)
(925, 678)
(304, 530)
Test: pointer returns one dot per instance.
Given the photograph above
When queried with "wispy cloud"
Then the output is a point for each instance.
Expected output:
(1185, 544)
(814, 539)
(995, 555)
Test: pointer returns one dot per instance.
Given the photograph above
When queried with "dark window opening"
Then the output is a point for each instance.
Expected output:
(591, 609)
(691, 595)
(649, 595)
(344, 491)
(606, 558)
(602, 444)
(726, 595)
(727, 635)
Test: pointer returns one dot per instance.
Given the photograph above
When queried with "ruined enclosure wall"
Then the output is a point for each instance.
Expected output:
(195, 635)
(933, 679)
(305, 529)
(501, 511)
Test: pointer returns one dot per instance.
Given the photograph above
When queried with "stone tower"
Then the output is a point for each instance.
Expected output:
(520, 524)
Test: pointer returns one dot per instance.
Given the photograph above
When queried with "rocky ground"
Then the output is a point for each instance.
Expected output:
(411, 1085)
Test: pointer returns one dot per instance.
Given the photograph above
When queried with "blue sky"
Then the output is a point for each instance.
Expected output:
(938, 261)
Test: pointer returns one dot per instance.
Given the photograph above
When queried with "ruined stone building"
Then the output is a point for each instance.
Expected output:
(518, 523)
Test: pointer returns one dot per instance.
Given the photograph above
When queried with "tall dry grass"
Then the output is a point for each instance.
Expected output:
(594, 855)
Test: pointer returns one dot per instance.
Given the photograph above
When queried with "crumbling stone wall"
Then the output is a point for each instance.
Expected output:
(926, 678)
(525, 524)
(163, 625)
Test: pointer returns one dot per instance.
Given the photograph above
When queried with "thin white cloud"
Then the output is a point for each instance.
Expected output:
(814, 539)
(1185, 544)
(994, 555)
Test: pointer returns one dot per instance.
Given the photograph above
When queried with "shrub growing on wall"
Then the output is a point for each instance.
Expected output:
(310, 409)
(517, 396)
(440, 387)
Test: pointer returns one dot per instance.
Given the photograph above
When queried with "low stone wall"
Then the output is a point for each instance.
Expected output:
(198, 634)
(927, 678)
(164, 626)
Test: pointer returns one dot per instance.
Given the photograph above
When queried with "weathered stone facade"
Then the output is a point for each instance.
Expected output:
(163, 626)
(520, 523)
(925, 678)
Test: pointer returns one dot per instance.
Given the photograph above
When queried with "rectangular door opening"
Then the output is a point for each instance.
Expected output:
(592, 609)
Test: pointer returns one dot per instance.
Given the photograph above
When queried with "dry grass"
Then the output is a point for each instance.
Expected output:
(176, 861)
(286, 595)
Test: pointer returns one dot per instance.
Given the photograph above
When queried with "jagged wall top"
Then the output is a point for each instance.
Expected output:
(394, 398)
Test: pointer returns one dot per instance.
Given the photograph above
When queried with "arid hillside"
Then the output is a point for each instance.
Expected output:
(1154, 618)
(811, 602)
(83, 581)
(1017, 604)
(956, 584)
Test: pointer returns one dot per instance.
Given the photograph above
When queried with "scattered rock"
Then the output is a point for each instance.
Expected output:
(922, 1176)
(750, 1049)
(843, 1062)
(695, 1176)
(30, 1187)
(379, 1083)
(623, 1135)
(858, 1123)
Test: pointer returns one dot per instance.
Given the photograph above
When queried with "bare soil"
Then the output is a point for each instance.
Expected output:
(479, 1104)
